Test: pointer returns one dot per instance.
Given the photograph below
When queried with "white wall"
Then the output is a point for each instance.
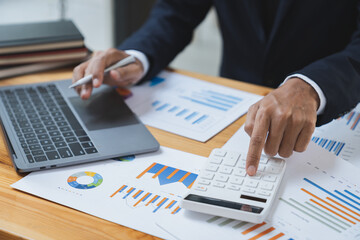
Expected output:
(92, 17)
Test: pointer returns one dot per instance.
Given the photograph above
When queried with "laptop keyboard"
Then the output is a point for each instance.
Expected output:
(44, 124)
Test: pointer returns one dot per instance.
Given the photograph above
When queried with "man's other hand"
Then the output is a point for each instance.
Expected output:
(282, 122)
(122, 77)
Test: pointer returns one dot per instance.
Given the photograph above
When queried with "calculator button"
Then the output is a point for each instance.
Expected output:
(263, 193)
(218, 184)
(266, 186)
(276, 162)
(236, 180)
(240, 172)
(242, 164)
(257, 176)
(216, 160)
(272, 169)
(251, 183)
(264, 159)
(269, 178)
(212, 168)
(221, 178)
(231, 159)
(219, 152)
(226, 170)
(261, 168)
(233, 187)
(208, 175)
(204, 182)
(248, 190)
(201, 188)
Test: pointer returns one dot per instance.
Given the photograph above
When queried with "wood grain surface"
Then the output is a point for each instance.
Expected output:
(23, 216)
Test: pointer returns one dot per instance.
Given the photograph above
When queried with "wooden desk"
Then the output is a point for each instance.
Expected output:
(23, 216)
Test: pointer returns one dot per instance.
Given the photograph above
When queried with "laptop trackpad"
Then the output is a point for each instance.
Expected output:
(105, 109)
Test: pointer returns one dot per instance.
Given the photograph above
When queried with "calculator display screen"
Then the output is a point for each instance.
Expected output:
(224, 203)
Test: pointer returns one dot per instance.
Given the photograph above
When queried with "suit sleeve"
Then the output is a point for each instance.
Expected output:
(167, 31)
(338, 76)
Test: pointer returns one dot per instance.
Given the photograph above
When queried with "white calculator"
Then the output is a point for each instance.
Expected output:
(224, 189)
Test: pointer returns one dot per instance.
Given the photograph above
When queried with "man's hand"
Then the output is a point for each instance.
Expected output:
(121, 77)
(283, 122)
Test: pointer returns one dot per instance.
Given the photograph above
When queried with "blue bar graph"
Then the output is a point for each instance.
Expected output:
(348, 192)
(192, 115)
(155, 103)
(138, 194)
(199, 120)
(173, 109)
(179, 114)
(123, 189)
(204, 103)
(330, 145)
(162, 107)
(155, 199)
(129, 193)
(172, 204)
(146, 197)
(350, 199)
(161, 205)
(331, 194)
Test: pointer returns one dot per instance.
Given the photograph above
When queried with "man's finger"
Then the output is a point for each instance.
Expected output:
(257, 142)
(276, 133)
(250, 118)
(304, 137)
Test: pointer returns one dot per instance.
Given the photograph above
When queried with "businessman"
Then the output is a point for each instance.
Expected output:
(303, 48)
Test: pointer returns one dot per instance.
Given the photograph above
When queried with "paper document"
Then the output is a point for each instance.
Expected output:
(319, 198)
(130, 193)
(341, 136)
(187, 106)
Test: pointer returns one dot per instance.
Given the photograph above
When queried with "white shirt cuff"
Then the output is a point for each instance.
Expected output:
(141, 57)
(316, 88)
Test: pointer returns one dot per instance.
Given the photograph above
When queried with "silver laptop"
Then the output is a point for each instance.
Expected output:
(47, 125)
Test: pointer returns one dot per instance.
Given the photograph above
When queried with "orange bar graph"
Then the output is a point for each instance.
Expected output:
(161, 201)
(277, 236)
(262, 233)
(185, 176)
(330, 205)
(355, 122)
(175, 210)
(141, 199)
(152, 200)
(170, 204)
(117, 191)
(160, 171)
(343, 206)
(172, 174)
(253, 228)
(145, 171)
(332, 211)
(137, 193)
(191, 184)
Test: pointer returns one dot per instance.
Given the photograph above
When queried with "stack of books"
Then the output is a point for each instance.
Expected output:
(32, 47)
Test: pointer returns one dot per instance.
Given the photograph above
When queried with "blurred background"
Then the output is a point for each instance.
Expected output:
(106, 23)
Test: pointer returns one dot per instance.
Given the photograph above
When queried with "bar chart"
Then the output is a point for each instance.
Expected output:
(337, 210)
(188, 106)
(267, 231)
(137, 197)
(351, 119)
(341, 136)
(166, 174)
(331, 145)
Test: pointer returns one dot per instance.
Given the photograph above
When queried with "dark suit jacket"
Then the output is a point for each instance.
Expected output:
(312, 37)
